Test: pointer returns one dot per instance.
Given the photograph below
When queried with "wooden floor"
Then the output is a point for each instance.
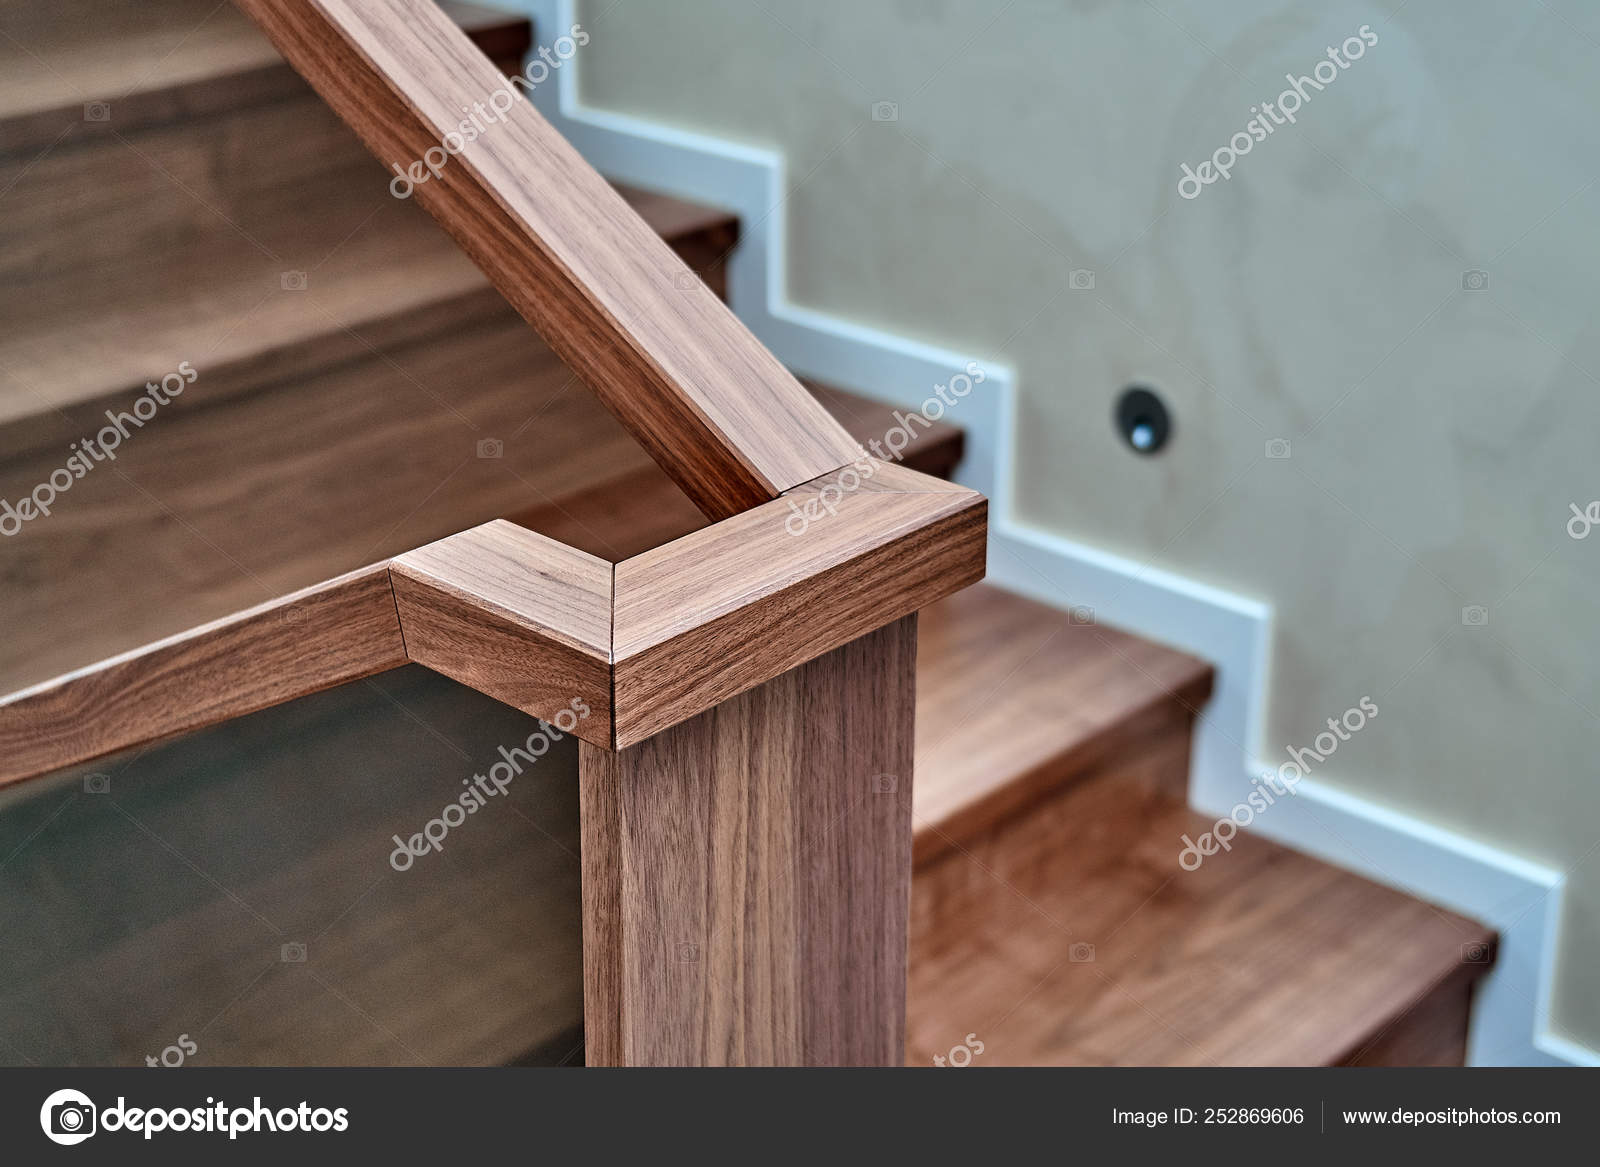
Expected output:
(1058, 926)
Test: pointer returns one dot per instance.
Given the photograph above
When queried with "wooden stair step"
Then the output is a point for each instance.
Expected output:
(155, 60)
(264, 236)
(377, 271)
(1016, 697)
(1051, 917)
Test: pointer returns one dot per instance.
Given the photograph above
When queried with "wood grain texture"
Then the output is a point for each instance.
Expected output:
(1069, 935)
(1019, 698)
(490, 620)
(709, 615)
(602, 776)
(202, 554)
(369, 463)
(334, 429)
(209, 59)
(746, 873)
(104, 290)
(660, 350)
(513, 614)
(1432, 1032)
(338, 631)
(210, 510)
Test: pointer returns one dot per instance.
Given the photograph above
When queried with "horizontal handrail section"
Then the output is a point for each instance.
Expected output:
(646, 643)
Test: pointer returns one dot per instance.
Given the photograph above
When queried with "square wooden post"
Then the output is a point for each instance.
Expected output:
(747, 873)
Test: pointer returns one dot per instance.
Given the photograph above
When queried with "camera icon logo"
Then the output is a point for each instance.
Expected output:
(1475, 615)
(491, 448)
(97, 783)
(1081, 953)
(97, 111)
(688, 952)
(292, 953)
(885, 111)
(1080, 279)
(686, 281)
(1474, 281)
(1476, 952)
(1278, 448)
(885, 783)
(68, 1117)
(1081, 614)
(293, 281)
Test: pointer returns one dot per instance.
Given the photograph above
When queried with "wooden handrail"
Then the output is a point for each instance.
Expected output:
(293, 646)
(646, 643)
(714, 408)
(721, 610)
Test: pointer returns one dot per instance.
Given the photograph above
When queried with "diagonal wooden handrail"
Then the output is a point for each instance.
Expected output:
(714, 408)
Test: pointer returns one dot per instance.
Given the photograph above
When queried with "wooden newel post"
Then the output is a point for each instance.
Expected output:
(747, 873)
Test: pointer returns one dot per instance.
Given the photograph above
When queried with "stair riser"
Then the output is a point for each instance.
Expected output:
(1432, 1034)
(990, 862)
(1158, 733)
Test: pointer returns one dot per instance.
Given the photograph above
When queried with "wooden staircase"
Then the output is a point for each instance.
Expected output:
(355, 364)
(1051, 918)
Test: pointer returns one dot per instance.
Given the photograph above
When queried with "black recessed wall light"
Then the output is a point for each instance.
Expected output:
(1142, 420)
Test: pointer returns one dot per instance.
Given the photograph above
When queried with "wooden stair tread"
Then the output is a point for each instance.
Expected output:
(376, 268)
(1262, 956)
(157, 59)
(1014, 696)
(109, 54)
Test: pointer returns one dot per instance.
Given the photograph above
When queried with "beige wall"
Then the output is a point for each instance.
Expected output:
(1437, 434)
